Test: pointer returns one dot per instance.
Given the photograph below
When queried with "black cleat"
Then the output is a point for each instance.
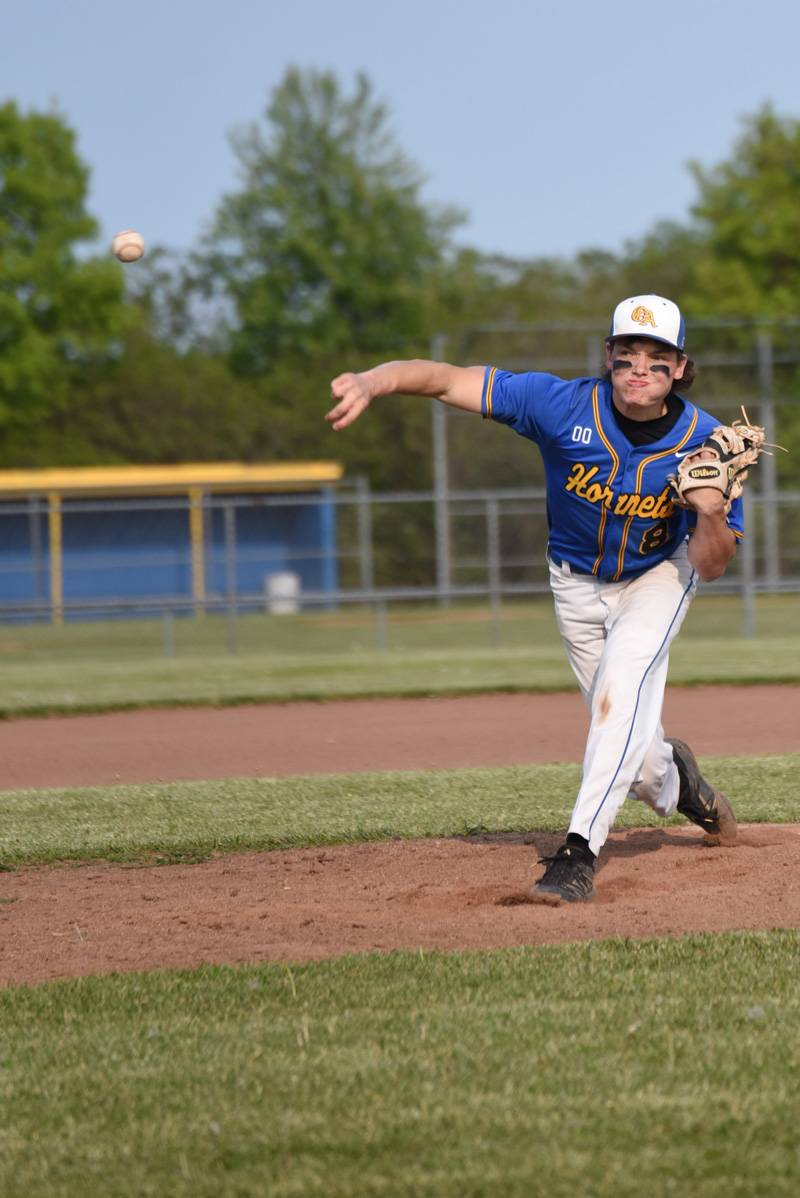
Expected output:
(568, 879)
(699, 801)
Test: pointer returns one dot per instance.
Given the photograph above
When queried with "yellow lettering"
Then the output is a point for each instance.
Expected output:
(581, 482)
(583, 486)
(626, 505)
(664, 506)
(575, 478)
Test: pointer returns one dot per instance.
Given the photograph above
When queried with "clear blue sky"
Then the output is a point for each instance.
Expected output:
(512, 109)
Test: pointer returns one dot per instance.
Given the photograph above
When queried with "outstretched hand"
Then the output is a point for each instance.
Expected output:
(354, 396)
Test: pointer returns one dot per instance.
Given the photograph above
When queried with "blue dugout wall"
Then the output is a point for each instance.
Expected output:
(59, 553)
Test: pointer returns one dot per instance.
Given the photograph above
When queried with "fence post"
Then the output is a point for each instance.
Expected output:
(56, 547)
(441, 484)
(769, 489)
(197, 545)
(493, 564)
(381, 627)
(594, 357)
(169, 634)
(231, 590)
(748, 557)
(364, 513)
(37, 554)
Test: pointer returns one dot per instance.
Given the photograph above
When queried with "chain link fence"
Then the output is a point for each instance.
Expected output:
(470, 538)
(497, 542)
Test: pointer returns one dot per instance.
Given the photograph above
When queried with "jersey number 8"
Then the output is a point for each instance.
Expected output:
(654, 537)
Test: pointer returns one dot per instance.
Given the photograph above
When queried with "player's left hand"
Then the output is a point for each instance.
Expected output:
(707, 500)
(720, 464)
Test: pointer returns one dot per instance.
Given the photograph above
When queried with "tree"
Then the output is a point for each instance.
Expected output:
(155, 404)
(59, 314)
(748, 211)
(327, 247)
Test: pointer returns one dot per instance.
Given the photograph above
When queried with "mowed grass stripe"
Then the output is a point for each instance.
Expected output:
(91, 687)
(465, 649)
(614, 1069)
(191, 820)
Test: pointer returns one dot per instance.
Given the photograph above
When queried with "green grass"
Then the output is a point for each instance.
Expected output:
(615, 1070)
(191, 820)
(95, 666)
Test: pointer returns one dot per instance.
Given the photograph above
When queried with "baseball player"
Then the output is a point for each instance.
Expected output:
(624, 557)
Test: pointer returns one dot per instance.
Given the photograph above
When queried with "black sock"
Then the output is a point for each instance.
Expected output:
(582, 844)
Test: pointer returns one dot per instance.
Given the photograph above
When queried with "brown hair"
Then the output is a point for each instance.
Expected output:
(682, 384)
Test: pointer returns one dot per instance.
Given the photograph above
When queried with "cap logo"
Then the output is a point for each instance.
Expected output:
(642, 315)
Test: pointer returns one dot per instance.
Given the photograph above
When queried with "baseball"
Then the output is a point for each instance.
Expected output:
(128, 245)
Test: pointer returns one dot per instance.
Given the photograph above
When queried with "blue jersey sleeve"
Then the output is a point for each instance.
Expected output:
(533, 404)
(736, 518)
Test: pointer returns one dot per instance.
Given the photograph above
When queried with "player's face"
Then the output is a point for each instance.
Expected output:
(642, 375)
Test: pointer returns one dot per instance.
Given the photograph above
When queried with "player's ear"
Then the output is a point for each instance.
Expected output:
(679, 369)
(609, 352)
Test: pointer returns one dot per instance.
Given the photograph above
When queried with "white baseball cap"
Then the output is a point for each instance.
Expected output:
(649, 316)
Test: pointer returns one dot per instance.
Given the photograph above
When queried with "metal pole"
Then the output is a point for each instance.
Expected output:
(37, 554)
(381, 625)
(493, 556)
(594, 357)
(748, 559)
(364, 513)
(56, 546)
(169, 634)
(197, 549)
(232, 632)
(441, 484)
(767, 468)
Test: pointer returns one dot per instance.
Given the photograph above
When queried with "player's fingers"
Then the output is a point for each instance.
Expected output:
(345, 403)
(352, 400)
(345, 413)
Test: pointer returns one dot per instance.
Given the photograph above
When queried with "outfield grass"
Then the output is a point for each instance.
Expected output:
(94, 666)
(191, 820)
(615, 1070)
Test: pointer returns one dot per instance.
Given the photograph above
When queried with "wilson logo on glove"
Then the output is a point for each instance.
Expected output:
(703, 472)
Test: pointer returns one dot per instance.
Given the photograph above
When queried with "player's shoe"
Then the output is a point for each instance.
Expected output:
(699, 801)
(568, 879)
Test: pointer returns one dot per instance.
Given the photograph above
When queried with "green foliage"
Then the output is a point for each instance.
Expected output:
(750, 220)
(326, 246)
(155, 404)
(327, 259)
(59, 315)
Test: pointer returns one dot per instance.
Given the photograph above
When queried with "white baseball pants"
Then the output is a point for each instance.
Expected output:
(617, 636)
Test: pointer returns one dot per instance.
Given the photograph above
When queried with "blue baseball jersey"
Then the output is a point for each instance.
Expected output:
(608, 502)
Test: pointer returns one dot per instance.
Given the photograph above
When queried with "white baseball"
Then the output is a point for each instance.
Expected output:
(128, 245)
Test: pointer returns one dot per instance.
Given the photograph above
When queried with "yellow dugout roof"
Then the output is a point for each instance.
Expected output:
(237, 477)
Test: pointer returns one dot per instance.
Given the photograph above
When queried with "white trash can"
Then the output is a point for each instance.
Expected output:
(283, 592)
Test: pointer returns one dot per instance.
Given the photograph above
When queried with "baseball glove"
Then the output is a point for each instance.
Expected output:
(733, 448)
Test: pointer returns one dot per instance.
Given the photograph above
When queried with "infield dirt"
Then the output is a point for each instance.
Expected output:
(60, 922)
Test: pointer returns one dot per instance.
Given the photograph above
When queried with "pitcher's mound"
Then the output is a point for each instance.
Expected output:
(466, 893)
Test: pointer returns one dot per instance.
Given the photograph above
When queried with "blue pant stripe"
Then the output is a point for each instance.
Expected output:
(650, 665)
